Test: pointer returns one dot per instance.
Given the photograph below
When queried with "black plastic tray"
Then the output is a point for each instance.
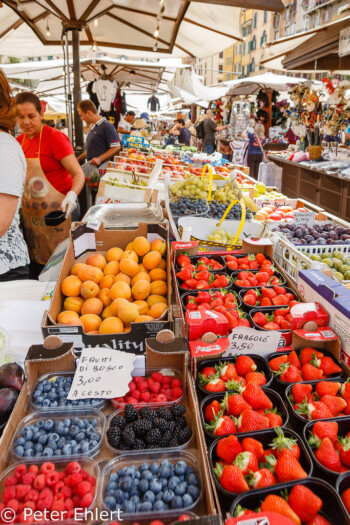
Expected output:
(240, 256)
(238, 288)
(268, 310)
(228, 287)
(264, 308)
(195, 292)
(195, 259)
(342, 484)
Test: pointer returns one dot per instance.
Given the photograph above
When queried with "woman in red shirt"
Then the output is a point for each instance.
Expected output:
(53, 181)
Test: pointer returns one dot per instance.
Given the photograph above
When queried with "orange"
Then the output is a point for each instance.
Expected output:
(129, 267)
(65, 316)
(141, 276)
(155, 299)
(107, 312)
(116, 303)
(111, 325)
(71, 286)
(73, 304)
(74, 270)
(111, 268)
(104, 296)
(89, 289)
(141, 246)
(142, 306)
(158, 246)
(128, 312)
(106, 281)
(159, 288)
(162, 264)
(157, 274)
(96, 260)
(114, 254)
(143, 318)
(90, 322)
(141, 290)
(151, 260)
(157, 310)
(92, 306)
(122, 277)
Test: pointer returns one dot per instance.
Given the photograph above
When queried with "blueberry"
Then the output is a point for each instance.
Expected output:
(19, 450)
(79, 437)
(57, 452)
(164, 471)
(38, 448)
(131, 471)
(28, 444)
(27, 433)
(67, 450)
(138, 507)
(149, 496)
(135, 499)
(143, 485)
(159, 496)
(43, 439)
(164, 482)
(173, 482)
(54, 437)
(119, 496)
(168, 496)
(126, 484)
(84, 447)
(73, 430)
(113, 477)
(154, 468)
(110, 502)
(80, 423)
(190, 470)
(52, 445)
(67, 422)
(130, 507)
(187, 500)
(46, 403)
(192, 479)
(155, 486)
(29, 453)
(94, 422)
(20, 441)
(146, 506)
(39, 424)
(147, 474)
(176, 502)
(76, 450)
(143, 466)
(181, 489)
(180, 468)
(47, 452)
(160, 506)
(193, 491)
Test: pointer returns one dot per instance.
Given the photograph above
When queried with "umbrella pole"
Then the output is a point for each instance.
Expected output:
(67, 89)
(78, 125)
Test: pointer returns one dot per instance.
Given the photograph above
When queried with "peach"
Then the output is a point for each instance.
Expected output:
(71, 286)
(141, 246)
(65, 316)
(130, 254)
(97, 260)
(73, 304)
(159, 288)
(155, 299)
(106, 281)
(129, 267)
(107, 312)
(116, 303)
(151, 260)
(120, 289)
(91, 322)
(111, 268)
(122, 277)
(104, 296)
(158, 275)
(142, 306)
(114, 254)
(111, 325)
(158, 245)
(157, 310)
(92, 306)
(128, 312)
(141, 276)
(141, 290)
(89, 289)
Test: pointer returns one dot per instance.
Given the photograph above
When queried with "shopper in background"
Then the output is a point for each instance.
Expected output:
(14, 258)
(54, 180)
(256, 135)
(210, 127)
(183, 133)
(125, 123)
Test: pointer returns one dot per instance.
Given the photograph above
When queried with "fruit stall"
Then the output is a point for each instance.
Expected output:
(193, 362)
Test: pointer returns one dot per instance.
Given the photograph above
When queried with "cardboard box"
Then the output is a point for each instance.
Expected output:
(322, 339)
(174, 355)
(314, 285)
(83, 242)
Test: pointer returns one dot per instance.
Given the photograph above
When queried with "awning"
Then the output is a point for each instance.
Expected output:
(252, 85)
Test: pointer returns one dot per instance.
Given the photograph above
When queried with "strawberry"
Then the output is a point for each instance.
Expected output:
(344, 451)
(274, 503)
(288, 468)
(300, 392)
(314, 410)
(256, 397)
(265, 301)
(253, 445)
(329, 367)
(249, 299)
(309, 372)
(345, 390)
(346, 499)
(276, 362)
(244, 365)
(234, 404)
(280, 300)
(324, 388)
(261, 478)
(222, 425)
(268, 292)
(249, 421)
(290, 374)
(255, 377)
(285, 446)
(318, 520)
(207, 372)
(228, 448)
(294, 359)
(307, 354)
(246, 461)
(275, 419)
(231, 478)
(271, 326)
(327, 455)
(212, 410)
(335, 404)
(260, 319)
(304, 502)
(215, 385)
(323, 429)
(227, 372)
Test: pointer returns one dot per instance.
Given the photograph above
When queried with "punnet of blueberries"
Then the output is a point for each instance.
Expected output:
(68, 436)
(185, 206)
(52, 393)
(152, 487)
(149, 428)
(318, 234)
(212, 210)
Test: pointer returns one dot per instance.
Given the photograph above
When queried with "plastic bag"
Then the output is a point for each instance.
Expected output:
(270, 174)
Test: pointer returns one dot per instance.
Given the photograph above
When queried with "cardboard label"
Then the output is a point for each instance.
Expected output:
(307, 218)
(94, 224)
(248, 340)
(102, 375)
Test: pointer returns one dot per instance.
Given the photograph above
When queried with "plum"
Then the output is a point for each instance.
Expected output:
(329, 241)
(11, 375)
(8, 398)
(308, 238)
(340, 230)
(322, 241)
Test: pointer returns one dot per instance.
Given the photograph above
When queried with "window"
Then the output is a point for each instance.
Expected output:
(326, 16)
(242, 71)
(265, 17)
(221, 55)
(228, 61)
(239, 68)
(235, 68)
(240, 49)
(244, 49)
(292, 29)
(253, 66)
(255, 20)
(306, 23)
(277, 34)
(220, 66)
(316, 21)
(50, 57)
(263, 38)
(253, 43)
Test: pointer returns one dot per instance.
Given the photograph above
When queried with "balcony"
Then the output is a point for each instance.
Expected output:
(318, 4)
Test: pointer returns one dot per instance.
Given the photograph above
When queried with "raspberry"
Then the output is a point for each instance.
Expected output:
(92, 481)
(184, 517)
(20, 471)
(22, 491)
(157, 376)
(85, 475)
(67, 491)
(13, 504)
(145, 396)
(74, 479)
(59, 497)
(71, 514)
(33, 495)
(138, 379)
(20, 507)
(2, 506)
(168, 394)
(87, 501)
(142, 386)
(160, 398)
(34, 469)
(132, 386)
(177, 392)
(45, 499)
(28, 478)
(59, 485)
(136, 394)
(154, 387)
(9, 493)
(156, 522)
(30, 505)
(76, 501)
(25, 519)
(39, 482)
(61, 475)
(131, 400)
(83, 488)
(58, 505)
(10, 481)
(47, 467)
(51, 478)
(68, 504)
(176, 383)
(166, 380)
(73, 467)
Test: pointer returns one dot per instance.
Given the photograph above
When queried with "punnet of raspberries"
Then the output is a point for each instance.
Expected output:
(158, 388)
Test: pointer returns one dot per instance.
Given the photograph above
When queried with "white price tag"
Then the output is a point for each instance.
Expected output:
(102, 373)
(94, 224)
(307, 218)
(244, 340)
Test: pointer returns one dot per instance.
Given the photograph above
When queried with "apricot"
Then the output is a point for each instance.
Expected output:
(142, 269)
(99, 275)
(162, 264)
(151, 260)
(65, 316)
(106, 281)
(141, 276)
(97, 260)
(75, 268)
(73, 304)
(141, 246)
(111, 268)
(89, 289)
(158, 275)
(130, 254)
(155, 299)
(115, 305)
(90, 273)
(91, 322)
(142, 306)
(157, 310)
(111, 325)
(92, 306)
(129, 246)
(71, 286)
(105, 296)
(143, 318)
(129, 267)
(128, 312)
(107, 312)
(158, 246)
(159, 288)
(126, 329)
(120, 289)
(141, 290)
(122, 277)
(114, 254)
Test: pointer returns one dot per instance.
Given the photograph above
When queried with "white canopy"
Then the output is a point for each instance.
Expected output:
(252, 85)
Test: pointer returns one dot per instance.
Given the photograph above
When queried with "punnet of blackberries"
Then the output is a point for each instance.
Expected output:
(149, 428)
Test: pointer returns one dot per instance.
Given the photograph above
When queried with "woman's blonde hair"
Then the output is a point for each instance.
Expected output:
(7, 105)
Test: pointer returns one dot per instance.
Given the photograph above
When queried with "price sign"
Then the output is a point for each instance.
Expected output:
(102, 373)
(307, 218)
(244, 340)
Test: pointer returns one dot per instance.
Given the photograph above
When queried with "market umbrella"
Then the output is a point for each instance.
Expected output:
(252, 85)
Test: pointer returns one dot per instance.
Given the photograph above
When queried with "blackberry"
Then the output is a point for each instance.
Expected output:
(164, 413)
(142, 426)
(166, 437)
(139, 444)
(124, 446)
(118, 421)
(173, 442)
(154, 436)
(113, 436)
(128, 436)
(130, 413)
(184, 435)
(178, 410)
(148, 413)
(161, 424)
(171, 426)
(181, 422)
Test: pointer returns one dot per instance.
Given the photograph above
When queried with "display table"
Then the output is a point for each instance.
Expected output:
(326, 191)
